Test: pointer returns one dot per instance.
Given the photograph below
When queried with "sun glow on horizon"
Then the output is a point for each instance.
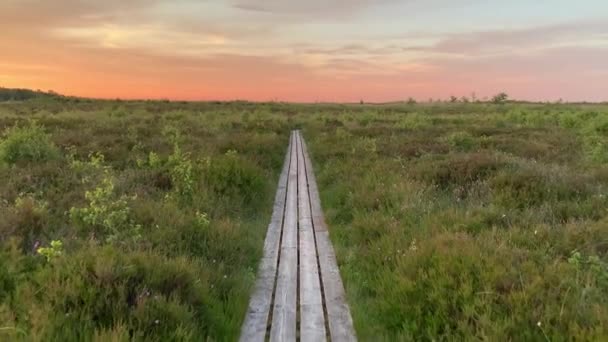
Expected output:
(315, 51)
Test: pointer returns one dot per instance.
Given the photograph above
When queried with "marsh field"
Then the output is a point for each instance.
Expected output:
(129, 220)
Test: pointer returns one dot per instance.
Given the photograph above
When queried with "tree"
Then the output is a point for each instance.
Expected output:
(411, 101)
(453, 99)
(8, 94)
(500, 98)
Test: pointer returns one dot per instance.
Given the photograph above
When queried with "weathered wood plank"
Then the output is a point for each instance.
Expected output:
(284, 312)
(298, 230)
(338, 313)
(312, 321)
(256, 321)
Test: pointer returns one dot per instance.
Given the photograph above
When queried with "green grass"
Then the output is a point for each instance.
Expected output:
(160, 211)
(450, 221)
(470, 222)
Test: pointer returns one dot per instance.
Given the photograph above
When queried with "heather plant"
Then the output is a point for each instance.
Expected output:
(29, 143)
(25, 220)
(232, 177)
(460, 140)
(414, 121)
(465, 221)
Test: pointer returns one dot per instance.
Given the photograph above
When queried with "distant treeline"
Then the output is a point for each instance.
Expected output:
(10, 94)
(7, 94)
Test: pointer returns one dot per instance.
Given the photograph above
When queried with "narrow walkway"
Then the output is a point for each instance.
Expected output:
(298, 294)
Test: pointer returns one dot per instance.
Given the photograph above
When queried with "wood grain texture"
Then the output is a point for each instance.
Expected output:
(285, 300)
(256, 320)
(338, 313)
(312, 320)
(298, 273)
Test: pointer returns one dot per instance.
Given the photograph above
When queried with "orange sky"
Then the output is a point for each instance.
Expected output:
(290, 50)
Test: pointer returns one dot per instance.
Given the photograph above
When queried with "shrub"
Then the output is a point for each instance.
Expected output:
(595, 145)
(462, 141)
(53, 251)
(183, 175)
(193, 237)
(154, 161)
(177, 173)
(526, 186)
(154, 298)
(26, 220)
(364, 145)
(7, 281)
(457, 169)
(28, 143)
(500, 98)
(414, 121)
(106, 215)
(366, 118)
(233, 176)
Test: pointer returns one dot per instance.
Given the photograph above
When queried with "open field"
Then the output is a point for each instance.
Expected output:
(450, 221)
(469, 221)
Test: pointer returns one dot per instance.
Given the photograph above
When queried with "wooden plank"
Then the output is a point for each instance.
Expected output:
(315, 202)
(338, 313)
(256, 320)
(285, 301)
(312, 320)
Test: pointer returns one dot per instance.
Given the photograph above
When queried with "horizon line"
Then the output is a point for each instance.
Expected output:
(485, 99)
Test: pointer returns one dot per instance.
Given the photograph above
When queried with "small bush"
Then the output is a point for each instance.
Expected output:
(106, 215)
(457, 169)
(29, 144)
(183, 175)
(177, 173)
(192, 237)
(364, 145)
(26, 220)
(55, 250)
(233, 176)
(414, 121)
(153, 297)
(462, 141)
(500, 98)
(527, 186)
(7, 281)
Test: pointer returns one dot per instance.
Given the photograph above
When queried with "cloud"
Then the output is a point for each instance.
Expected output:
(528, 39)
(353, 49)
(149, 26)
(38, 13)
(433, 50)
(158, 48)
(308, 7)
(154, 37)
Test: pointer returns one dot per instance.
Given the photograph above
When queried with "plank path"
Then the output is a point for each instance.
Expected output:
(298, 294)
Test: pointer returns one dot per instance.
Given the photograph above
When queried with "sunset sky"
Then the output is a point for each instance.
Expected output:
(311, 50)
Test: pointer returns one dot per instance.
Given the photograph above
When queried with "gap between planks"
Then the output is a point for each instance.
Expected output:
(299, 293)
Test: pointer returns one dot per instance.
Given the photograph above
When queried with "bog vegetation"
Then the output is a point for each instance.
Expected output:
(145, 220)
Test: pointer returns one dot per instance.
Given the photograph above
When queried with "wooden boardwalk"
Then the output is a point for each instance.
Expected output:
(299, 292)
